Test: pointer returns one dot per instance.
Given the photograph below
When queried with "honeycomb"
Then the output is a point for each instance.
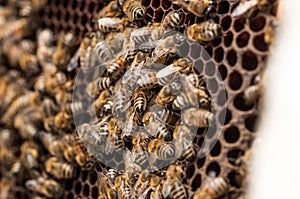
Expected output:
(240, 56)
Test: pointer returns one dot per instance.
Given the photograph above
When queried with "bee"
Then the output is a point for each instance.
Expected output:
(184, 137)
(156, 184)
(139, 149)
(104, 51)
(59, 169)
(271, 31)
(140, 101)
(161, 149)
(253, 93)
(172, 19)
(121, 101)
(174, 188)
(200, 8)
(49, 107)
(141, 187)
(62, 120)
(155, 127)
(100, 84)
(134, 10)
(175, 172)
(168, 74)
(187, 99)
(123, 186)
(65, 48)
(205, 31)
(115, 68)
(75, 107)
(111, 10)
(45, 49)
(103, 99)
(29, 64)
(30, 154)
(168, 93)
(205, 117)
(18, 105)
(248, 7)
(107, 189)
(108, 24)
(112, 174)
(168, 45)
(16, 168)
(16, 27)
(84, 161)
(96, 135)
(27, 130)
(213, 188)
(53, 145)
(47, 187)
(114, 142)
(165, 115)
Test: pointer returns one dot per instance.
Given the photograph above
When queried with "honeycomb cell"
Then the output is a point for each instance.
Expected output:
(226, 23)
(198, 66)
(190, 171)
(238, 24)
(216, 149)
(235, 80)
(260, 44)
(200, 162)
(70, 196)
(93, 177)
(231, 57)
(231, 134)
(235, 179)
(84, 176)
(212, 85)
(95, 192)
(249, 60)
(210, 69)
(155, 4)
(257, 23)
(196, 183)
(195, 51)
(223, 71)
(250, 122)
(225, 116)
(243, 39)
(86, 190)
(228, 39)
(233, 156)
(213, 168)
(219, 54)
(223, 7)
(77, 188)
(222, 98)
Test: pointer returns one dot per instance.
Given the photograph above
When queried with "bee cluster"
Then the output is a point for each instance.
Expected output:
(140, 99)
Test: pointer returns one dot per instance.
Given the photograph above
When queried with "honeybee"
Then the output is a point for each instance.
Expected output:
(188, 99)
(45, 50)
(168, 45)
(139, 149)
(271, 31)
(29, 64)
(115, 68)
(75, 107)
(114, 140)
(101, 83)
(107, 189)
(213, 188)
(19, 104)
(253, 93)
(168, 93)
(48, 187)
(205, 31)
(62, 120)
(30, 154)
(156, 184)
(200, 8)
(110, 10)
(19, 28)
(184, 137)
(121, 101)
(49, 107)
(123, 186)
(155, 127)
(205, 117)
(248, 7)
(96, 135)
(104, 51)
(59, 169)
(141, 187)
(172, 19)
(139, 101)
(168, 74)
(134, 10)
(54, 146)
(100, 102)
(174, 188)
(65, 48)
(108, 24)
(161, 149)
(165, 115)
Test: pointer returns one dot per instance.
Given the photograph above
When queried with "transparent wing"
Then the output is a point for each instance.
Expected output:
(74, 61)
(243, 7)
(171, 69)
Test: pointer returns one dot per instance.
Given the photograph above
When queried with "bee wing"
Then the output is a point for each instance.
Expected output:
(104, 184)
(74, 61)
(166, 189)
(243, 7)
(167, 71)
